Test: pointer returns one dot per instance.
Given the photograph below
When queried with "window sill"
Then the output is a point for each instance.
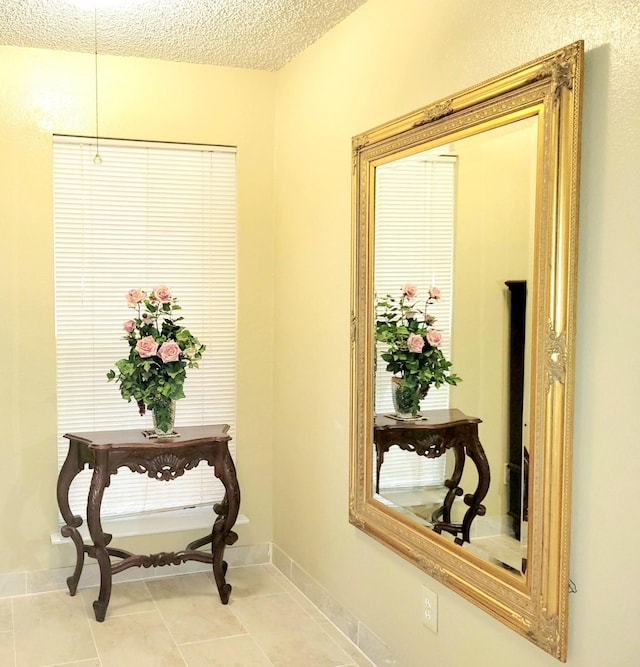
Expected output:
(149, 524)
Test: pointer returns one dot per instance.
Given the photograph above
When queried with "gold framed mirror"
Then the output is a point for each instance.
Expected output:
(465, 221)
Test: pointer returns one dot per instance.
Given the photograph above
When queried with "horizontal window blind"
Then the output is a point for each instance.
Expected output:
(414, 226)
(149, 214)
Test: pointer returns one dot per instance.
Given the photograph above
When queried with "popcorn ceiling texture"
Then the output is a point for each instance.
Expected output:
(256, 34)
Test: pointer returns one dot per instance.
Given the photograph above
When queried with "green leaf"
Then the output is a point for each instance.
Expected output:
(125, 367)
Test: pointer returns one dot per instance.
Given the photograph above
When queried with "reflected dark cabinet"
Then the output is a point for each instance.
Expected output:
(517, 295)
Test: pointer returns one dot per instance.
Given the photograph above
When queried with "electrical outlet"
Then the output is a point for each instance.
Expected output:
(430, 609)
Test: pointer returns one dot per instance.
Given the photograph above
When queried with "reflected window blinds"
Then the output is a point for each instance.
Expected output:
(414, 226)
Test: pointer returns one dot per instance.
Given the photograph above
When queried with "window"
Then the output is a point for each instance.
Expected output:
(414, 214)
(151, 213)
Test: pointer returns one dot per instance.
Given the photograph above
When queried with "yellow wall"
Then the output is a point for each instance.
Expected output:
(385, 60)
(45, 92)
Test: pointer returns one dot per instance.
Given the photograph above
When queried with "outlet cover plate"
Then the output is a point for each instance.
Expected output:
(430, 609)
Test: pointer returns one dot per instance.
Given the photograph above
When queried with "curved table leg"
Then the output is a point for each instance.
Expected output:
(70, 468)
(221, 534)
(476, 453)
(453, 484)
(441, 518)
(100, 539)
(380, 450)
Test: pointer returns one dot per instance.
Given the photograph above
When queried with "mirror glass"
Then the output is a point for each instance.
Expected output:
(461, 217)
(464, 276)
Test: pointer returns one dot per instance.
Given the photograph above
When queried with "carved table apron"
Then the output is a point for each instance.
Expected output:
(105, 452)
(441, 430)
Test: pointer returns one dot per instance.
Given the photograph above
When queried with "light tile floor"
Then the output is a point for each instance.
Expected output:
(176, 621)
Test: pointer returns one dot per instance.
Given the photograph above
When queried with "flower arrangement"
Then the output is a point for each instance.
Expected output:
(160, 351)
(413, 351)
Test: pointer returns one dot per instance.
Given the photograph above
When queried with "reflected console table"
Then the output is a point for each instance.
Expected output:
(432, 436)
(162, 459)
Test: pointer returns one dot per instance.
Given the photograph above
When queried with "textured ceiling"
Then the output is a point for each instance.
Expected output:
(258, 34)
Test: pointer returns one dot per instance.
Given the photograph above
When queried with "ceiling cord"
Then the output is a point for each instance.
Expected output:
(97, 159)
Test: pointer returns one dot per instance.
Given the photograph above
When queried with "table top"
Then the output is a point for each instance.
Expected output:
(189, 435)
(430, 419)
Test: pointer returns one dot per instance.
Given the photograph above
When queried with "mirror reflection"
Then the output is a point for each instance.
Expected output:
(454, 231)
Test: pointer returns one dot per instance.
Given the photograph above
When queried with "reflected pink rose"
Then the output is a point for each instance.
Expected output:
(169, 351)
(435, 293)
(409, 291)
(147, 346)
(415, 343)
(434, 337)
(162, 293)
(129, 326)
(135, 296)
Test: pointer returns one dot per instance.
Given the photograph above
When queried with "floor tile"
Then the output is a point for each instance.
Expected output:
(51, 628)
(140, 640)
(6, 615)
(83, 663)
(375, 647)
(301, 599)
(288, 636)
(7, 652)
(358, 657)
(176, 621)
(239, 651)
(321, 599)
(191, 608)
(13, 583)
(252, 580)
(130, 597)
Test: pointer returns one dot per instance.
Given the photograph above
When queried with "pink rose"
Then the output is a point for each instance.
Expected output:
(147, 346)
(135, 296)
(129, 326)
(434, 337)
(434, 292)
(169, 351)
(409, 291)
(162, 293)
(415, 343)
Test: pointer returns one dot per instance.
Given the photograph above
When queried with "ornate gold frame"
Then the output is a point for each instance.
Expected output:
(536, 604)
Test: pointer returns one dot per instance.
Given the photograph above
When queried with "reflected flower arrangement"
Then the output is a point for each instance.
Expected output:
(412, 354)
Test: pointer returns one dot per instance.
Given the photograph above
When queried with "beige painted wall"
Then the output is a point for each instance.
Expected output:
(386, 59)
(45, 92)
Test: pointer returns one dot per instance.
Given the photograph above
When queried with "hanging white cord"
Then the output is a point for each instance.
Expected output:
(97, 159)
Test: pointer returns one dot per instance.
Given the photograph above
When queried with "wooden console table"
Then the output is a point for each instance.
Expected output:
(105, 452)
(431, 437)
